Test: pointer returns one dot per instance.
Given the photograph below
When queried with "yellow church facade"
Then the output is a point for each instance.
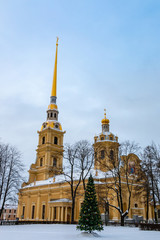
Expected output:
(46, 195)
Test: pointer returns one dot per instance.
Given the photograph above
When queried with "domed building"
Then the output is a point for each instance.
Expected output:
(46, 195)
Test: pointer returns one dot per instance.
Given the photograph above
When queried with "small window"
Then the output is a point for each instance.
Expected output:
(102, 138)
(9, 210)
(14, 211)
(9, 216)
(51, 115)
(55, 140)
(48, 115)
(136, 205)
(54, 162)
(111, 138)
(43, 140)
(41, 162)
(33, 210)
(43, 212)
(102, 154)
(158, 213)
(55, 115)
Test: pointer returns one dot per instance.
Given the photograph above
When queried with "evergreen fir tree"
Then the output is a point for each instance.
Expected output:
(90, 218)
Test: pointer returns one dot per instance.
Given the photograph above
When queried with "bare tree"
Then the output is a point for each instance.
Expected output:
(151, 159)
(79, 159)
(10, 174)
(73, 179)
(85, 156)
(143, 189)
(120, 178)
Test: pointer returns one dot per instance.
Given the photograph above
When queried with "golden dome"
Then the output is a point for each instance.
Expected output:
(105, 120)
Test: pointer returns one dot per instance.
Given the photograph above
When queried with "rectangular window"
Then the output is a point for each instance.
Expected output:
(158, 213)
(33, 210)
(43, 212)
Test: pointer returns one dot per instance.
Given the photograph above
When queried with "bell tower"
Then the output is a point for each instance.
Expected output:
(49, 160)
(105, 147)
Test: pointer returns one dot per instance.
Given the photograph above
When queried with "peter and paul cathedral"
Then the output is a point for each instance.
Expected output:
(46, 195)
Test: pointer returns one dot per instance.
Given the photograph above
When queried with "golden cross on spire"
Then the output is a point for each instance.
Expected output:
(105, 112)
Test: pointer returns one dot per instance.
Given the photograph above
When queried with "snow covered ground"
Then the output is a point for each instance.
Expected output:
(69, 232)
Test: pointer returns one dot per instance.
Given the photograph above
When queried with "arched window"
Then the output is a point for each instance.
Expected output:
(51, 114)
(33, 210)
(102, 154)
(43, 140)
(55, 140)
(54, 162)
(41, 162)
(111, 155)
(23, 211)
(55, 115)
(43, 212)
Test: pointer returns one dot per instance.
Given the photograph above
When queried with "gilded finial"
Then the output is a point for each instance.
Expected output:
(105, 113)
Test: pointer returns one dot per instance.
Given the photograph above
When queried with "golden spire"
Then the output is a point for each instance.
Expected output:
(54, 85)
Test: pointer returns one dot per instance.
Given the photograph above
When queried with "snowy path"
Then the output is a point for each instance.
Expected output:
(69, 232)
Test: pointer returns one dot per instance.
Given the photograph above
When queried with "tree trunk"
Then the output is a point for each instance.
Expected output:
(73, 206)
(106, 218)
(122, 220)
(147, 212)
(155, 212)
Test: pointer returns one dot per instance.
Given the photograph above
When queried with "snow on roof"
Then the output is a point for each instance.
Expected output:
(106, 137)
(96, 174)
(9, 206)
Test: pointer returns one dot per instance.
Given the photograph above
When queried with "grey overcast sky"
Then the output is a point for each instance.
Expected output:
(108, 57)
